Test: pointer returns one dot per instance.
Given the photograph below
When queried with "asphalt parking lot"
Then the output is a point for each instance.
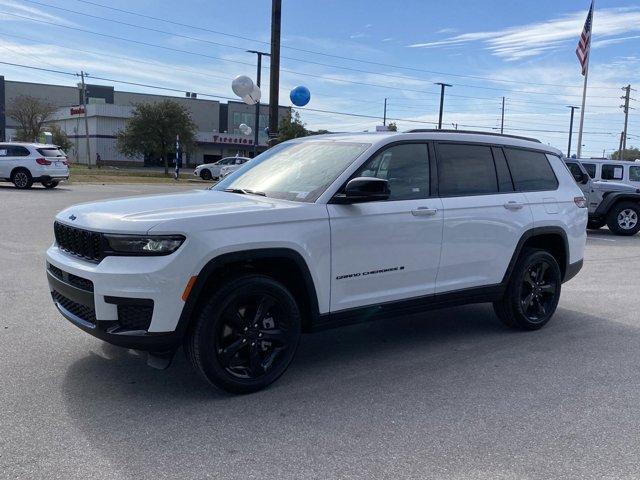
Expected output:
(451, 394)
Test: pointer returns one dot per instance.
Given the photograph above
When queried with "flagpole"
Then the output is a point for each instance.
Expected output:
(584, 87)
(584, 99)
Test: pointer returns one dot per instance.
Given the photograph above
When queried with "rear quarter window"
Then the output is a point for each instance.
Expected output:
(634, 173)
(530, 170)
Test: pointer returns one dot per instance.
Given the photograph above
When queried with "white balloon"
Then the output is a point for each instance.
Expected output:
(253, 97)
(248, 130)
(244, 129)
(242, 85)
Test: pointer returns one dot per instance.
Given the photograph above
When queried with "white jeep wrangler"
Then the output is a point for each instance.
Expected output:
(320, 232)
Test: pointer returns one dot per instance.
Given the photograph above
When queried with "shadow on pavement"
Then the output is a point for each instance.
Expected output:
(425, 386)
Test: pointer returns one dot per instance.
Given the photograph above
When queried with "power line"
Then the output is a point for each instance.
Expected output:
(217, 32)
(210, 42)
(317, 77)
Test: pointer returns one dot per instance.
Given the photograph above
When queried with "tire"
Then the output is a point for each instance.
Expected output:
(227, 341)
(22, 179)
(205, 174)
(624, 218)
(595, 224)
(532, 293)
(50, 185)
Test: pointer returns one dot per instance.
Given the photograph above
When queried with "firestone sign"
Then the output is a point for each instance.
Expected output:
(231, 139)
(77, 110)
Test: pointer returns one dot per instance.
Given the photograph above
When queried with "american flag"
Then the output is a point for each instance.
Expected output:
(584, 44)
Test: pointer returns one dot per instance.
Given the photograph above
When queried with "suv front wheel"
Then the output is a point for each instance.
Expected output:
(246, 334)
(533, 291)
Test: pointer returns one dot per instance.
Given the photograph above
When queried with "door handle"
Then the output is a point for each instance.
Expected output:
(424, 212)
(512, 205)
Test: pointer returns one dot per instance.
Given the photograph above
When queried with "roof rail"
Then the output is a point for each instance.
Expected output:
(494, 134)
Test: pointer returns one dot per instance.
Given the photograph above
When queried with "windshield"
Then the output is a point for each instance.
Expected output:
(294, 171)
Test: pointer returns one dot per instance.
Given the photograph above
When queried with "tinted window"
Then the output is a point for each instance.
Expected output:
(51, 152)
(612, 172)
(466, 170)
(504, 177)
(530, 170)
(3, 151)
(634, 174)
(590, 168)
(15, 151)
(405, 167)
(574, 168)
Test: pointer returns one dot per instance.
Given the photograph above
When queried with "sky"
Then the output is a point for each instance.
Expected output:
(352, 55)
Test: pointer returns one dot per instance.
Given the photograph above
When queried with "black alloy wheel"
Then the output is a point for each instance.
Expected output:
(253, 336)
(533, 291)
(246, 334)
(205, 174)
(538, 292)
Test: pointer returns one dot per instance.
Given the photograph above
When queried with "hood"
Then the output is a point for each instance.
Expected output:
(141, 214)
(609, 186)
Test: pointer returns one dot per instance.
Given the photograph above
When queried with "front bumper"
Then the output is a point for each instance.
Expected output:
(133, 302)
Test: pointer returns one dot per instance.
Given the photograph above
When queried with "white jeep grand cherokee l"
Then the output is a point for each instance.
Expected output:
(321, 232)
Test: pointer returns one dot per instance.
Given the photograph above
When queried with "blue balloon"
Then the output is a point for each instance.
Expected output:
(300, 96)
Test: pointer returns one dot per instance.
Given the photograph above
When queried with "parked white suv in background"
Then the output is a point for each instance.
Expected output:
(211, 171)
(26, 163)
(322, 232)
(232, 167)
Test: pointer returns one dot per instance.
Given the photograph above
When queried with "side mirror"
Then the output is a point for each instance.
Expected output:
(364, 189)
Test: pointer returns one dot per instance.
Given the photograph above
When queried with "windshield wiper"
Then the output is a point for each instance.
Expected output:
(245, 191)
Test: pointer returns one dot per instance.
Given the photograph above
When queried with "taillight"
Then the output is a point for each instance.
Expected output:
(580, 202)
(42, 161)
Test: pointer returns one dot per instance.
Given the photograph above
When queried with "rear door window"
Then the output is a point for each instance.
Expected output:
(466, 170)
(17, 151)
(612, 172)
(634, 174)
(530, 170)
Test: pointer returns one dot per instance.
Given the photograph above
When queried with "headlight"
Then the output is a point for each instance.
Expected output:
(143, 245)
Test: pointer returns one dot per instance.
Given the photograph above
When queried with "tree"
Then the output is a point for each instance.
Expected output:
(31, 113)
(153, 128)
(290, 127)
(392, 127)
(628, 154)
(59, 137)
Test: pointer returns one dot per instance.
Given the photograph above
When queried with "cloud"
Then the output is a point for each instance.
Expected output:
(388, 39)
(358, 35)
(27, 11)
(514, 43)
(444, 31)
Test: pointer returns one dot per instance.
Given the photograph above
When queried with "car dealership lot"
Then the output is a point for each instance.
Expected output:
(451, 394)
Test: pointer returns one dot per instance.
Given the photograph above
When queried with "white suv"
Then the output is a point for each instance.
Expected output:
(26, 163)
(211, 171)
(321, 232)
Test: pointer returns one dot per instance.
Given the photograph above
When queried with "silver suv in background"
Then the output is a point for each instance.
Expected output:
(24, 164)
(610, 203)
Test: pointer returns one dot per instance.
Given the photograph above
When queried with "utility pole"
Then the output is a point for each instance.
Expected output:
(573, 109)
(86, 120)
(502, 118)
(623, 140)
(384, 118)
(274, 83)
(442, 87)
(256, 124)
(620, 149)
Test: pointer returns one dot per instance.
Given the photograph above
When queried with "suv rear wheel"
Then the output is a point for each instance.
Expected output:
(246, 334)
(21, 178)
(533, 291)
(624, 218)
(205, 174)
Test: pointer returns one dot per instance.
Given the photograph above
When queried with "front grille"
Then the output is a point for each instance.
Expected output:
(83, 243)
(87, 314)
(135, 317)
(71, 279)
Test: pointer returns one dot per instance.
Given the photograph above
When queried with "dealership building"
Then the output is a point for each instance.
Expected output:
(218, 124)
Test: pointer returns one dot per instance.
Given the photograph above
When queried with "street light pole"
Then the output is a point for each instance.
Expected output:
(256, 124)
(573, 109)
(274, 81)
(442, 87)
(384, 119)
